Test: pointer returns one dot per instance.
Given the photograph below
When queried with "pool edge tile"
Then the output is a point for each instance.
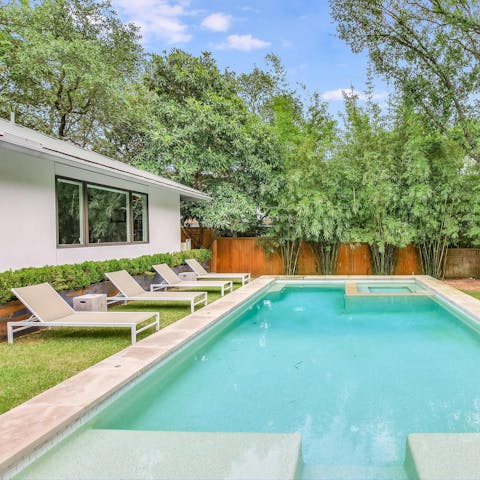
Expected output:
(67, 410)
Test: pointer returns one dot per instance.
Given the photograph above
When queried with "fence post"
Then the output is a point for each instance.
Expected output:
(214, 256)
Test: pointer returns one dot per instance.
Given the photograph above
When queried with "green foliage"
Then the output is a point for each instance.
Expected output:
(203, 135)
(259, 88)
(309, 207)
(66, 67)
(370, 176)
(436, 197)
(470, 231)
(429, 49)
(386, 179)
(80, 275)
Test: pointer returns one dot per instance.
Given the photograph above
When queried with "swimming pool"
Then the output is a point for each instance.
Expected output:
(353, 382)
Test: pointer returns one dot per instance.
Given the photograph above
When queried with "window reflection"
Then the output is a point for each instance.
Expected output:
(108, 218)
(90, 214)
(69, 212)
(139, 215)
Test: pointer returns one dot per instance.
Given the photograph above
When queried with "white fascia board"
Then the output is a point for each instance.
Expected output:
(114, 168)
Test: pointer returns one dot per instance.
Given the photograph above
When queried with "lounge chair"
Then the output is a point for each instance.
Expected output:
(172, 280)
(130, 289)
(49, 309)
(202, 274)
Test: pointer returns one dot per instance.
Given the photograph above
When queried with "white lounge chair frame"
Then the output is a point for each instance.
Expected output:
(194, 298)
(172, 280)
(203, 274)
(35, 320)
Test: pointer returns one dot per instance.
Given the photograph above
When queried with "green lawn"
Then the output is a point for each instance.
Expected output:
(473, 294)
(40, 360)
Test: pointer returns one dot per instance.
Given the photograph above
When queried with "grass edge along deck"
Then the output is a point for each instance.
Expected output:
(30, 429)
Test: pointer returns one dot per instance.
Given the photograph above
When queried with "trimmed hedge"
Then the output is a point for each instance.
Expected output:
(81, 275)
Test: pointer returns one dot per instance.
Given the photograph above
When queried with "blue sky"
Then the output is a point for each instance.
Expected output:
(240, 34)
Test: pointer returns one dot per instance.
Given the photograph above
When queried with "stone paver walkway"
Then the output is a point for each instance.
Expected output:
(472, 284)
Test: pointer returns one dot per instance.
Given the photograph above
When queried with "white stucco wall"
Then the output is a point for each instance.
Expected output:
(28, 218)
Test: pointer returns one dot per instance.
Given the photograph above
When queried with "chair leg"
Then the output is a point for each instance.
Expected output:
(10, 333)
(134, 335)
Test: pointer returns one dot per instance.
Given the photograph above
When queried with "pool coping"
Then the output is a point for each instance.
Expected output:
(25, 429)
(351, 290)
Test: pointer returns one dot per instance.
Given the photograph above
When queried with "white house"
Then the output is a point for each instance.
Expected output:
(62, 204)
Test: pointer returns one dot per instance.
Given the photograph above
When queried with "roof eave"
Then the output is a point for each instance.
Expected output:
(19, 143)
(195, 198)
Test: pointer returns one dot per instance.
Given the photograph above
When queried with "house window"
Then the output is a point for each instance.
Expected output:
(90, 214)
(108, 215)
(139, 217)
(70, 212)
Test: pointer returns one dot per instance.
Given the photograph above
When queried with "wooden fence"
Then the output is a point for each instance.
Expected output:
(463, 263)
(247, 255)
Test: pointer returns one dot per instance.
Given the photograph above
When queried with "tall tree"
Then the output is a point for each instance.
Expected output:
(286, 232)
(322, 213)
(203, 135)
(260, 87)
(438, 200)
(429, 48)
(66, 66)
(370, 172)
(310, 208)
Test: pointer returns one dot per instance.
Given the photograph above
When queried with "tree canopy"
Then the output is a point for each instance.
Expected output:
(430, 49)
(202, 134)
(66, 66)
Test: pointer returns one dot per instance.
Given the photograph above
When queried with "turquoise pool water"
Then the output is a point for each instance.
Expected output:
(389, 287)
(354, 384)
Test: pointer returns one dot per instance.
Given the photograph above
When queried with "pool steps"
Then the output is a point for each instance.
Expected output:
(136, 455)
(347, 472)
(157, 455)
(443, 456)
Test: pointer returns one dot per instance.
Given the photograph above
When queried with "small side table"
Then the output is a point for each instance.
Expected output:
(188, 276)
(91, 302)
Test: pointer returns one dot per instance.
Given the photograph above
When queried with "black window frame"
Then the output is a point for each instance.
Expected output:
(84, 220)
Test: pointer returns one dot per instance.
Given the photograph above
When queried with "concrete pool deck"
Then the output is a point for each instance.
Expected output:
(470, 284)
(30, 429)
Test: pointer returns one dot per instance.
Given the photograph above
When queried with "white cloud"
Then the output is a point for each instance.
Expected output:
(244, 43)
(335, 95)
(218, 22)
(158, 19)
